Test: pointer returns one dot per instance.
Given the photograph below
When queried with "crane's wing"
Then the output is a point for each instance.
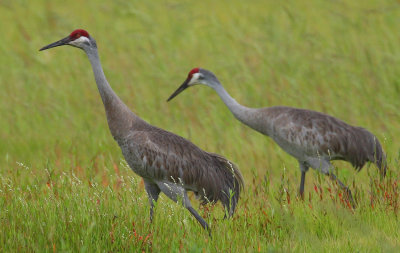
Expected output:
(318, 133)
(166, 156)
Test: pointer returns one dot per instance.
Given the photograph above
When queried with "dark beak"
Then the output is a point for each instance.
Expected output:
(180, 89)
(61, 42)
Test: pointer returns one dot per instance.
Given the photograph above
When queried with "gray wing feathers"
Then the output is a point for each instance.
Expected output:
(170, 157)
(232, 182)
(315, 133)
(362, 147)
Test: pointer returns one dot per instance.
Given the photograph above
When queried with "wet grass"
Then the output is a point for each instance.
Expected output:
(68, 210)
(65, 187)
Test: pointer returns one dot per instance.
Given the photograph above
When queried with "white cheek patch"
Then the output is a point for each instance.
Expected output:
(195, 78)
(79, 41)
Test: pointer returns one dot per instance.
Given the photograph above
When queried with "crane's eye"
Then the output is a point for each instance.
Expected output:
(201, 77)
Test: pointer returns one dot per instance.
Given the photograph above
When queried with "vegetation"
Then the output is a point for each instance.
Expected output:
(64, 185)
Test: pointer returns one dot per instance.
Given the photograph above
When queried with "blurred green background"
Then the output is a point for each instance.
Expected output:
(337, 57)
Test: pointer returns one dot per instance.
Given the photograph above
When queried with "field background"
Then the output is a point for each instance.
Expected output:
(64, 185)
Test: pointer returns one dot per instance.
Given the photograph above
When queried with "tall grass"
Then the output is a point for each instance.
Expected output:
(64, 185)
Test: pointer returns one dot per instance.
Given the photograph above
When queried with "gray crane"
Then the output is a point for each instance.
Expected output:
(167, 162)
(313, 138)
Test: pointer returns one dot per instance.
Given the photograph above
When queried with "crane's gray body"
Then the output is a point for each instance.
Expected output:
(313, 138)
(163, 158)
(167, 163)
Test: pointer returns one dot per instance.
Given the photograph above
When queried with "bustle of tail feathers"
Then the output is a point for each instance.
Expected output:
(229, 184)
(380, 158)
(367, 148)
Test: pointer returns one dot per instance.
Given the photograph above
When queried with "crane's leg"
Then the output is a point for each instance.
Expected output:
(327, 168)
(303, 169)
(302, 181)
(344, 187)
(200, 219)
(177, 192)
(152, 192)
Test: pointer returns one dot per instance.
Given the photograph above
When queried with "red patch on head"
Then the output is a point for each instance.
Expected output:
(193, 71)
(78, 33)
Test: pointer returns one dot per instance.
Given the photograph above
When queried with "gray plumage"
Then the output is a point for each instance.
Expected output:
(167, 163)
(313, 138)
(161, 156)
(305, 133)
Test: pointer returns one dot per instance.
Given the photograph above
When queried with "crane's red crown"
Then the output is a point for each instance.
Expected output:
(78, 33)
(193, 71)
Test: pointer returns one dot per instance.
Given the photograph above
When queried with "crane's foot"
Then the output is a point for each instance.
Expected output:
(301, 195)
(209, 232)
(202, 222)
(346, 189)
(349, 197)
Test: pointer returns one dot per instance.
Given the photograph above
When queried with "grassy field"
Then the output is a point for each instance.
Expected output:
(64, 185)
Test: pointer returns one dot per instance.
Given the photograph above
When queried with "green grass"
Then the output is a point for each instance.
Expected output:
(65, 187)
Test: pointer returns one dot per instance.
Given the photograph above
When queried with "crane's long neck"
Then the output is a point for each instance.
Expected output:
(106, 92)
(238, 110)
(252, 117)
(119, 117)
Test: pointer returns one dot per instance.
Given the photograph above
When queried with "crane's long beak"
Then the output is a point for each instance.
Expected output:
(61, 42)
(181, 88)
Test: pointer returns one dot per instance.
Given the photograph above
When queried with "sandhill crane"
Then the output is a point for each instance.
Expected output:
(167, 162)
(313, 138)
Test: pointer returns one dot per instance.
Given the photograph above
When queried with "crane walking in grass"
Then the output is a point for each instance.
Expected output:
(313, 138)
(167, 162)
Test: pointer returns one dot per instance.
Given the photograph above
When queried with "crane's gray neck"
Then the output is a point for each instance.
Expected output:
(238, 110)
(119, 116)
(106, 92)
(249, 116)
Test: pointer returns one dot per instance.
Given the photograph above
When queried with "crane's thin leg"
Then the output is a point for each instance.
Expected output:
(303, 169)
(200, 219)
(152, 192)
(175, 191)
(302, 181)
(343, 186)
(327, 168)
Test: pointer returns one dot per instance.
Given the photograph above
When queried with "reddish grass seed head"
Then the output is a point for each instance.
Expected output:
(78, 33)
